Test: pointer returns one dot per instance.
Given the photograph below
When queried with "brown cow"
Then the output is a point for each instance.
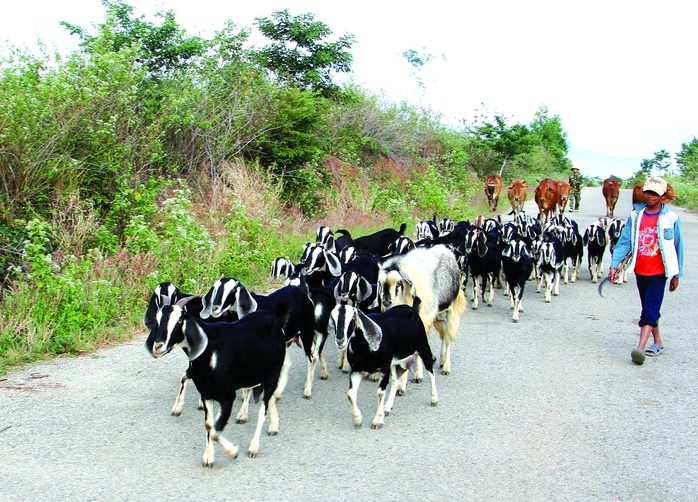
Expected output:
(546, 198)
(610, 190)
(518, 189)
(563, 195)
(492, 189)
(639, 195)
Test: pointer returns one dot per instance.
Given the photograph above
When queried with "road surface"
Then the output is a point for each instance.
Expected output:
(550, 408)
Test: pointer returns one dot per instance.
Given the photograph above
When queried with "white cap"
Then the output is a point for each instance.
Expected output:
(655, 184)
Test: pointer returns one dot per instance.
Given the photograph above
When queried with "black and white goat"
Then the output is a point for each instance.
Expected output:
(353, 289)
(484, 262)
(446, 226)
(167, 293)
(401, 246)
(427, 229)
(384, 343)
(595, 241)
(325, 237)
(550, 261)
(283, 267)
(376, 243)
(223, 358)
(614, 230)
(289, 305)
(517, 263)
(573, 251)
(320, 266)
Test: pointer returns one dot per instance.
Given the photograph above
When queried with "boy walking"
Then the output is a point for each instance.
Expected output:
(653, 236)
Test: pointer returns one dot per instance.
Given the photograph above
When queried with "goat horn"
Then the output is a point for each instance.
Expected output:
(181, 303)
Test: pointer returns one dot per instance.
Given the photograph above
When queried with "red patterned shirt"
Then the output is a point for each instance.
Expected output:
(649, 256)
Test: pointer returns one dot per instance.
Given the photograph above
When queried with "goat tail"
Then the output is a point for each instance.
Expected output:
(343, 232)
(455, 312)
(402, 228)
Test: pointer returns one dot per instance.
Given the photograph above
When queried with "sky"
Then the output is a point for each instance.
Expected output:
(620, 74)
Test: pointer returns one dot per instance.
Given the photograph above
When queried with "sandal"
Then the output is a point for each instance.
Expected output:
(653, 350)
(637, 356)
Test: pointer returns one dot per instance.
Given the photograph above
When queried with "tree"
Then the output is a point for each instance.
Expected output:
(502, 141)
(417, 61)
(553, 138)
(687, 160)
(299, 52)
(162, 48)
(660, 163)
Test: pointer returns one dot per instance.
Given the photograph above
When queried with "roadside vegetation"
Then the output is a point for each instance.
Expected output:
(152, 155)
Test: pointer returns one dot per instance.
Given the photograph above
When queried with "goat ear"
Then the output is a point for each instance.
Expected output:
(306, 250)
(376, 303)
(149, 320)
(364, 289)
(507, 251)
(585, 239)
(601, 238)
(371, 331)
(407, 280)
(244, 303)
(330, 245)
(333, 263)
(482, 245)
(196, 339)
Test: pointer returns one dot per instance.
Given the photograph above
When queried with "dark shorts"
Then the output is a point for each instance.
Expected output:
(651, 289)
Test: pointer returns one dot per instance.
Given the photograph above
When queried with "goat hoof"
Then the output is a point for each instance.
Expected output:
(489, 304)
(386, 413)
(324, 377)
(176, 413)
(241, 421)
(306, 397)
(474, 308)
(377, 426)
(514, 320)
(434, 403)
(445, 372)
(400, 392)
(272, 433)
(417, 380)
(251, 454)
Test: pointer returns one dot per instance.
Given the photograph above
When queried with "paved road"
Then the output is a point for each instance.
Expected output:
(550, 408)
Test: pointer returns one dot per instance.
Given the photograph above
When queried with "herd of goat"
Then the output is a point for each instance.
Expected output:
(377, 296)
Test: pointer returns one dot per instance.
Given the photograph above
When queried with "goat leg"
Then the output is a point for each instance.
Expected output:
(354, 382)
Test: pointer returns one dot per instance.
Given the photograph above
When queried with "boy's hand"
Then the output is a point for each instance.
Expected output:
(673, 283)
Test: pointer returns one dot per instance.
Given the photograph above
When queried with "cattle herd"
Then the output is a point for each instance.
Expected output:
(377, 296)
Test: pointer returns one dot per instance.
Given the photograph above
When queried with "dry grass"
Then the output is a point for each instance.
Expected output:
(74, 223)
(255, 190)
